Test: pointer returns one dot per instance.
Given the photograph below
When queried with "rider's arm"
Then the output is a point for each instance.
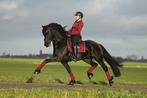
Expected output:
(76, 29)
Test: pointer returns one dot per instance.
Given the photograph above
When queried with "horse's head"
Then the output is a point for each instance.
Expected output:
(52, 32)
(47, 35)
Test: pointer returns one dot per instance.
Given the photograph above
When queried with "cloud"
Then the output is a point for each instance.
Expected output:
(12, 13)
(131, 7)
(110, 19)
(8, 5)
(117, 24)
(10, 10)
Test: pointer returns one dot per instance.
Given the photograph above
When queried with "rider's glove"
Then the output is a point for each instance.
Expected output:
(68, 35)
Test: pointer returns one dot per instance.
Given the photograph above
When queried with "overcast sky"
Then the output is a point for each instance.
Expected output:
(119, 25)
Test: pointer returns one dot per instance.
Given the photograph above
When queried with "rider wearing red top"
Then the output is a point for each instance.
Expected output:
(75, 31)
(76, 28)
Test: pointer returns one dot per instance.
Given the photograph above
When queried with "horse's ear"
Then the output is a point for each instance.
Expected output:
(43, 26)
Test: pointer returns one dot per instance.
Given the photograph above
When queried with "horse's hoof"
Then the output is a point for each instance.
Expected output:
(90, 75)
(72, 82)
(110, 81)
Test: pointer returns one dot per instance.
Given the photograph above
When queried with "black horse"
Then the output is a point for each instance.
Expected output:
(95, 52)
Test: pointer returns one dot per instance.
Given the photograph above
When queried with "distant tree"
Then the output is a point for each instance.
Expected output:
(119, 59)
(132, 57)
(142, 58)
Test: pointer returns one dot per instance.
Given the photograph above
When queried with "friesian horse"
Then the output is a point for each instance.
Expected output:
(95, 53)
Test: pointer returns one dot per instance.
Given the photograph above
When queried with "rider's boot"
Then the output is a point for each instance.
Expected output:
(74, 54)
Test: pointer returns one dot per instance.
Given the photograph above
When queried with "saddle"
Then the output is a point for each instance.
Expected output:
(80, 48)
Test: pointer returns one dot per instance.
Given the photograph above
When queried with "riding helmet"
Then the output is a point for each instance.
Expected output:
(79, 14)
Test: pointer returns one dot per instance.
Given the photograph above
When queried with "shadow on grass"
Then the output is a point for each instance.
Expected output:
(100, 82)
(93, 82)
(59, 81)
(103, 83)
(79, 82)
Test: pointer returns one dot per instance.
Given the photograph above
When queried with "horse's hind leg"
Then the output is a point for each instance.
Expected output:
(72, 77)
(90, 69)
(105, 68)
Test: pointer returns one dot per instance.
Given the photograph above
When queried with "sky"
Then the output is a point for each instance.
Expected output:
(119, 25)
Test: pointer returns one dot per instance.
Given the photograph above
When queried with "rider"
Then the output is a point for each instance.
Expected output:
(75, 32)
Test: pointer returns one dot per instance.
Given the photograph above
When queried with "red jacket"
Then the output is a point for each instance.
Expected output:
(76, 28)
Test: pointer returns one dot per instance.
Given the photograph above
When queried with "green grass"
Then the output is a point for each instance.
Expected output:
(69, 93)
(19, 70)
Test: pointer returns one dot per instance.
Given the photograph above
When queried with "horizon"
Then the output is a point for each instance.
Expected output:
(11, 54)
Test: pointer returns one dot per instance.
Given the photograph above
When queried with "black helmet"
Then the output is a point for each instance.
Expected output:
(79, 14)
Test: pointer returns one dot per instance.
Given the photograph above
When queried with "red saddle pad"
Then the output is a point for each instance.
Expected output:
(81, 46)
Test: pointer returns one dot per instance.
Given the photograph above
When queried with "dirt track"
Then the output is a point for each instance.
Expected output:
(132, 87)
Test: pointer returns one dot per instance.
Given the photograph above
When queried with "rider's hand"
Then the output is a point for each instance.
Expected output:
(65, 27)
(68, 34)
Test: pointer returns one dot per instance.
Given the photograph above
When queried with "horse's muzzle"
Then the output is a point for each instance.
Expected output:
(46, 44)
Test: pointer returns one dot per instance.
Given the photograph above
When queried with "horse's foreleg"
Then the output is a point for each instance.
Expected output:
(39, 67)
(43, 63)
(90, 69)
(71, 74)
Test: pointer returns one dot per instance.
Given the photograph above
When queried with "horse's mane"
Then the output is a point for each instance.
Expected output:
(57, 27)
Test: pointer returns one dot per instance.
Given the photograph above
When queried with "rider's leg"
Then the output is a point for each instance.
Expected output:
(74, 44)
(75, 41)
(75, 51)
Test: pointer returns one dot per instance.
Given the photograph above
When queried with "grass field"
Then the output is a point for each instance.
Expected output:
(19, 70)
(69, 93)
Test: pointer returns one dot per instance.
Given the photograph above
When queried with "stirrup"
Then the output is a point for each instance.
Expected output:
(73, 57)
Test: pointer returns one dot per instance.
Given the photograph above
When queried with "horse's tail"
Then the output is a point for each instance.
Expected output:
(112, 62)
(98, 50)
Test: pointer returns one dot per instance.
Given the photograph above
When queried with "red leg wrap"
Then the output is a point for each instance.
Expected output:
(108, 75)
(90, 70)
(40, 66)
(72, 76)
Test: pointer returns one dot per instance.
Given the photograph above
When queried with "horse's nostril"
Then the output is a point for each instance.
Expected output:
(46, 44)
